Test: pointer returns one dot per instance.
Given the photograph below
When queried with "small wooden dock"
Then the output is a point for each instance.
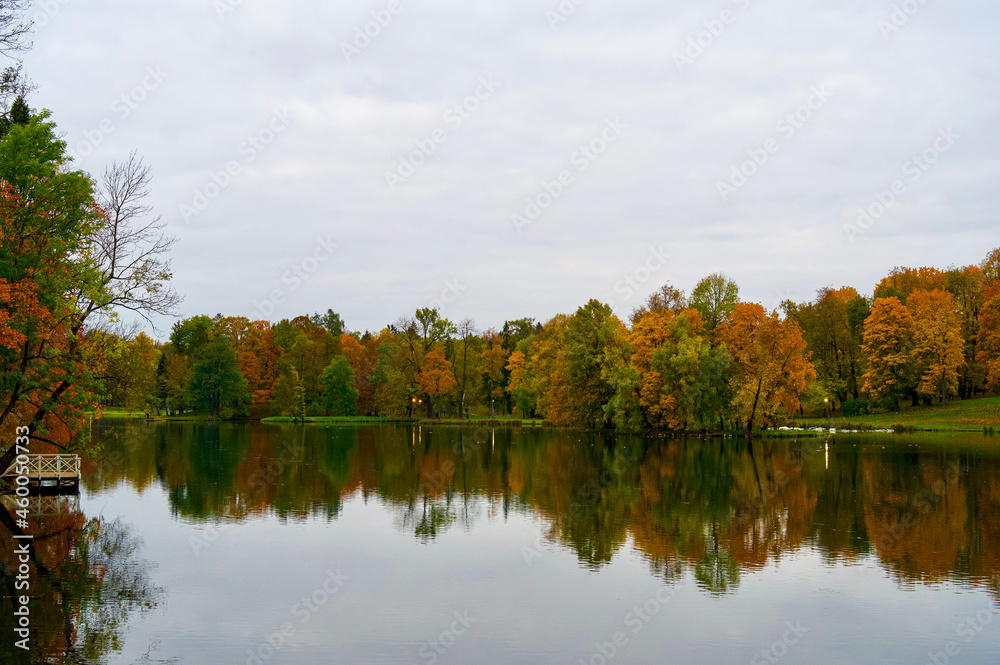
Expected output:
(47, 474)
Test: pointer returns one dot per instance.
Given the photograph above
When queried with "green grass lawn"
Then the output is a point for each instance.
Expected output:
(119, 412)
(961, 416)
(319, 420)
(471, 422)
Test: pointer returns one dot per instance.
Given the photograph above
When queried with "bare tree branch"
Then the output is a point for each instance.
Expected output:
(15, 28)
(128, 247)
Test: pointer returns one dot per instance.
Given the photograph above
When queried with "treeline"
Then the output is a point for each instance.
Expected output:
(704, 362)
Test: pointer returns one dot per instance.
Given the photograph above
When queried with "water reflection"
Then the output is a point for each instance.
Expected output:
(719, 508)
(88, 581)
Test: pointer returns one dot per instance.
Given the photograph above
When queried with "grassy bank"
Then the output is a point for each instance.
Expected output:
(327, 420)
(455, 422)
(117, 412)
(973, 415)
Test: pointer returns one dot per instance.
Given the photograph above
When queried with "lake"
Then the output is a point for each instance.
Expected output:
(251, 544)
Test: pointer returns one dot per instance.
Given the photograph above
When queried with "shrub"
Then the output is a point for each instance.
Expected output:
(855, 407)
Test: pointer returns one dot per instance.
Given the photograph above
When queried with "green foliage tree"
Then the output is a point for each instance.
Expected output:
(592, 336)
(216, 384)
(190, 336)
(715, 297)
(133, 374)
(340, 398)
(288, 397)
(331, 321)
(991, 266)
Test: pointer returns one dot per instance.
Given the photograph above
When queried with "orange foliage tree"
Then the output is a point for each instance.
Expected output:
(436, 376)
(989, 336)
(772, 367)
(937, 343)
(494, 359)
(888, 344)
(257, 356)
(901, 282)
(70, 257)
(363, 360)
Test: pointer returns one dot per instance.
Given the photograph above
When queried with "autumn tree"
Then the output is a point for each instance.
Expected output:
(545, 372)
(937, 343)
(494, 359)
(436, 376)
(288, 397)
(694, 375)
(516, 334)
(667, 297)
(622, 408)
(991, 267)
(416, 336)
(833, 326)
(901, 282)
(70, 259)
(770, 362)
(888, 345)
(131, 380)
(257, 356)
(309, 348)
(715, 297)
(466, 332)
(967, 286)
(362, 358)
(989, 336)
(519, 386)
(396, 376)
(172, 375)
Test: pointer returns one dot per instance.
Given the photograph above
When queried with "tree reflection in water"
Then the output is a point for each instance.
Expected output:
(88, 581)
(924, 509)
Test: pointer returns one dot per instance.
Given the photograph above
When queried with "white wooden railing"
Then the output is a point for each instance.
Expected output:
(47, 467)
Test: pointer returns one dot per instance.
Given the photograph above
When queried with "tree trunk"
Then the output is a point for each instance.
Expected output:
(753, 411)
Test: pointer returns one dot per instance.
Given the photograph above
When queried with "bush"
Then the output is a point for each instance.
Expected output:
(855, 407)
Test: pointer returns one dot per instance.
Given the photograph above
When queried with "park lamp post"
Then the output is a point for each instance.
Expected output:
(826, 407)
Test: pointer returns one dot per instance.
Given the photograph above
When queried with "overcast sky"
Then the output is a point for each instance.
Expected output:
(642, 108)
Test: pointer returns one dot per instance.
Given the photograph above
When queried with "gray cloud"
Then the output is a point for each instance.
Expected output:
(324, 176)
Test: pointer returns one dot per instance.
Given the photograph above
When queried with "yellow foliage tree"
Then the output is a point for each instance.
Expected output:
(547, 373)
(494, 359)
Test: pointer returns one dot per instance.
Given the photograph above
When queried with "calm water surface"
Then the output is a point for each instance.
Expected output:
(234, 544)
